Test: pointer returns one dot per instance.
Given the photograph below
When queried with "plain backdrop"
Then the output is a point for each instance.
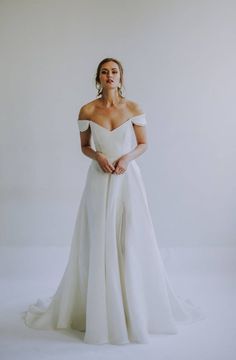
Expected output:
(179, 59)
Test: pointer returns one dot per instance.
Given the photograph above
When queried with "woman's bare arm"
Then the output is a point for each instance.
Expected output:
(85, 140)
(141, 137)
(85, 137)
(140, 134)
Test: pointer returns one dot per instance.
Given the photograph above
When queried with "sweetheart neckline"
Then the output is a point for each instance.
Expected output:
(110, 131)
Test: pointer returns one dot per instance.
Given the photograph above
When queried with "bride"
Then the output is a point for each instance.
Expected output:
(115, 288)
(111, 111)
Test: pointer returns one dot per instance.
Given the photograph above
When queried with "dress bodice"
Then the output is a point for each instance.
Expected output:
(116, 142)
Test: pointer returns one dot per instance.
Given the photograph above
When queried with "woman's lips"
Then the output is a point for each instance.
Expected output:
(110, 81)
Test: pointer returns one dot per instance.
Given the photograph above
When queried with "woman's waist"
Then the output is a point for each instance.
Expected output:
(113, 156)
(94, 163)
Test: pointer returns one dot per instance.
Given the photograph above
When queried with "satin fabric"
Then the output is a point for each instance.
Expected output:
(115, 288)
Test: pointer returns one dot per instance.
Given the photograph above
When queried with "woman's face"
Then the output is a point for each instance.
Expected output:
(109, 75)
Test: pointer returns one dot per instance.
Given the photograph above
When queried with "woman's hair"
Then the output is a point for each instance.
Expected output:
(97, 81)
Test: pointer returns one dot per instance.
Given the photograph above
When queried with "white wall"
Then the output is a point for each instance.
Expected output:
(179, 59)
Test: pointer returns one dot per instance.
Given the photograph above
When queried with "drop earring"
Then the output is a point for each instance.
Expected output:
(99, 88)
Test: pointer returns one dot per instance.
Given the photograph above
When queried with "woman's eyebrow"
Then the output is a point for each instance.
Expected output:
(108, 69)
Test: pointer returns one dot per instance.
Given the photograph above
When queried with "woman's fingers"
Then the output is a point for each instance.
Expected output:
(110, 168)
(120, 170)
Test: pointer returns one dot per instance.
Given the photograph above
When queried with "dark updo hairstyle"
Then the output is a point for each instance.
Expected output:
(97, 82)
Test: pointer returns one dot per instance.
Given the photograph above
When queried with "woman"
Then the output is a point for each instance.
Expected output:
(110, 111)
(115, 288)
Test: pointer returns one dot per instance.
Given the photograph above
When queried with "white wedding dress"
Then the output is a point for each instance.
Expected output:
(115, 288)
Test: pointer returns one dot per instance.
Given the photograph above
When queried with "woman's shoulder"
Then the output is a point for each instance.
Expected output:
(134, 107)
(86, 110)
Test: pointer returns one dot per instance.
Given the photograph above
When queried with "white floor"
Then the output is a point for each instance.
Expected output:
(205, 276)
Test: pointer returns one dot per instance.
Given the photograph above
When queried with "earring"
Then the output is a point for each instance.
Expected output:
(99, 88)
(120, 89)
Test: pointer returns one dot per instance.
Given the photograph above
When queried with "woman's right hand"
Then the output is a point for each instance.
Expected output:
(104, 163)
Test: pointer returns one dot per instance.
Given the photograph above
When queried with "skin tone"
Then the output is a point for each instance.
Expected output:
(108, 112)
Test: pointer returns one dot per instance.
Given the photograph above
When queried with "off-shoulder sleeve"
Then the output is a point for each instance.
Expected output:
(139, 120)
(83, 124)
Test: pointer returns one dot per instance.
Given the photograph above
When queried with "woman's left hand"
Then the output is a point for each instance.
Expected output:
(121, 165)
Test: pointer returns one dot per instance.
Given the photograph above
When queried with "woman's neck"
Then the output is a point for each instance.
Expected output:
(110, 98)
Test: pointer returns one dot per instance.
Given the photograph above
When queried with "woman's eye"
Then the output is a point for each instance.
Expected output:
(104, 72)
